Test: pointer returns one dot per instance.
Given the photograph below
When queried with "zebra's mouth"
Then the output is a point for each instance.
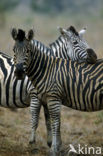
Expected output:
(19, 72)
(19, 76)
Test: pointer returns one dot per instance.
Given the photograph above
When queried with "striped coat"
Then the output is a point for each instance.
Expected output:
(19, 93)
(59, 81)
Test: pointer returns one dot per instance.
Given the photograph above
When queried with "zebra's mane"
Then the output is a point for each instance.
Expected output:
(36, 43)
(20, 35)
(60, 39)
(73, 30)
(41, 47)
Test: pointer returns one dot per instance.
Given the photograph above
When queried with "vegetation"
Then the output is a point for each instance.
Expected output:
(73, 6)
(47, 5)
(5, 6)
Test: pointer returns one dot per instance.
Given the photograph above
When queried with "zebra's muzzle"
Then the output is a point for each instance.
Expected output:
(19, 72)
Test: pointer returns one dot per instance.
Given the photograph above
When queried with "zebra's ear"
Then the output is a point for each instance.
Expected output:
(62, 31)
(14, 33)
(82, 32)
(30, 35)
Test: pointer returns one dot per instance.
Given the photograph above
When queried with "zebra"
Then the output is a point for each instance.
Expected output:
(59, 49)
(15, 86)
(77, 47)
(20, 94)
(58, 81)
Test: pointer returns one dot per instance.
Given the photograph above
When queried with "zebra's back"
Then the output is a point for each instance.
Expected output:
(81, 85)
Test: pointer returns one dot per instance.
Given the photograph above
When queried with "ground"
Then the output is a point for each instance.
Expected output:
(77, 127)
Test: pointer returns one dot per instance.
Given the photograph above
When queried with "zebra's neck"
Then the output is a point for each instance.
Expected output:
(59, 48)
(41, 47)
(58, 42)
(40, 66)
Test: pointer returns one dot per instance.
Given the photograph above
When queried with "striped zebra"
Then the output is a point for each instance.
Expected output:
(58, 81)
(19, 89)
(20, 94)
(77, 47)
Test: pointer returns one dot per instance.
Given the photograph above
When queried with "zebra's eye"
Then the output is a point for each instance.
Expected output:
(75, 42)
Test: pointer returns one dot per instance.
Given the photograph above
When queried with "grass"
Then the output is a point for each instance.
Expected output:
(99, 118)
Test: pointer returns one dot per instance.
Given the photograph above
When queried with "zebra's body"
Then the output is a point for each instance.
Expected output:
(19, 93)
(16, 93)
(59, 48)
(59, 81)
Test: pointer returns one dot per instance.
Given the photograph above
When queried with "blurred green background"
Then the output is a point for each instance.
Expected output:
(45, 15)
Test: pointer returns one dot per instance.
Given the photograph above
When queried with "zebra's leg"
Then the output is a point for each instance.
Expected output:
(54, 106)
(48, 125)
(35, 111)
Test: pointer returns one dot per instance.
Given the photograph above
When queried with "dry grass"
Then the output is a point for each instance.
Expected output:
(77, 127)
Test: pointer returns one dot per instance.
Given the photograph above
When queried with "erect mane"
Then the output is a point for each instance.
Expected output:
(20, 35)
(71, 28)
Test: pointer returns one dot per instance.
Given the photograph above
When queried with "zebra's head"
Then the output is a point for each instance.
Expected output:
(22, 49)
(74, 38)
(76, 45)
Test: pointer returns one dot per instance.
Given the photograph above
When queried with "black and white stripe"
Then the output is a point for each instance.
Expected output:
(13, 92)
(76, 46)
(19, 93)
(16, 90)
(59, 82)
